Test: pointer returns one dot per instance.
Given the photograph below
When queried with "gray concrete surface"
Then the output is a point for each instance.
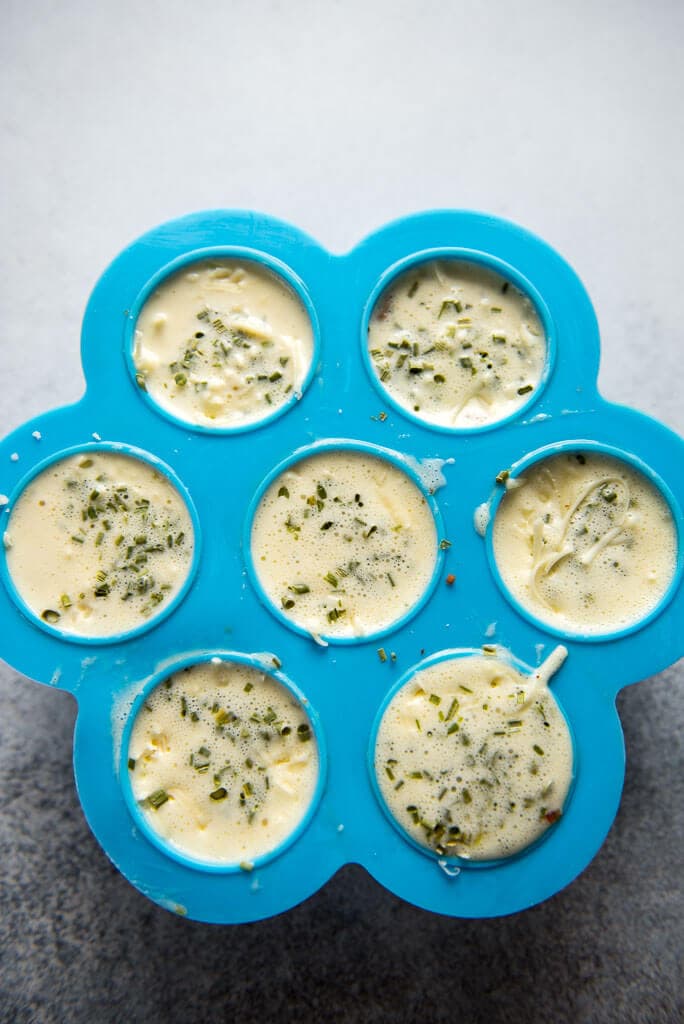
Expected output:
(338, 117)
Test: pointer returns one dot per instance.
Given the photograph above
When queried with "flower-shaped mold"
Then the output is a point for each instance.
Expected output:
(222, 613)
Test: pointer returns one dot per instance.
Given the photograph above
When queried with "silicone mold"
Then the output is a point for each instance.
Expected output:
(221, 613)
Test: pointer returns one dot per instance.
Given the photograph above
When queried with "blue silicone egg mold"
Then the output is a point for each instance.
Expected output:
(222, 613)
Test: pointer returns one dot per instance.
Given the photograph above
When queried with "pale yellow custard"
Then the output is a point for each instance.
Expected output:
(585, 542)
(223, 762)
(456, 344)
(223, 343)
(99, 543)
(344, 543)
(473, 758)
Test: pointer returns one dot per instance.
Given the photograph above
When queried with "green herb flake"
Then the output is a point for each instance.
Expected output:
(382, 654)
(454, 304)
(453, 708)
(304, 732)
(157, 799)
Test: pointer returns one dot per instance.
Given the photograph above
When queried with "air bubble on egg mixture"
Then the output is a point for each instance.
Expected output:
(481, 518)
(429, 471)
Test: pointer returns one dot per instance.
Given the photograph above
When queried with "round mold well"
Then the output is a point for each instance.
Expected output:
(453, 861)
(470, 257)
(396, 461)
(634, 463)
(156, 464)
(186, 261)
(175, 853)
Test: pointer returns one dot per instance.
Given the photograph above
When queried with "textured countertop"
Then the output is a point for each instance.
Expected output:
(338, 118)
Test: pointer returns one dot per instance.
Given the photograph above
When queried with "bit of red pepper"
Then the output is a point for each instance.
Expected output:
(552, 816)
(450, 580)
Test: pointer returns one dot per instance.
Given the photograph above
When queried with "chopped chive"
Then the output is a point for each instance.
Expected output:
(455, 305)
(131, 764)
(304, 732)
(444, 545)
(435, 699)
(218, 794)
(526, 389)
(283, 492)
(538, 750)
(156, 799)
(299, 588)
(50, 615)
(382, 655)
